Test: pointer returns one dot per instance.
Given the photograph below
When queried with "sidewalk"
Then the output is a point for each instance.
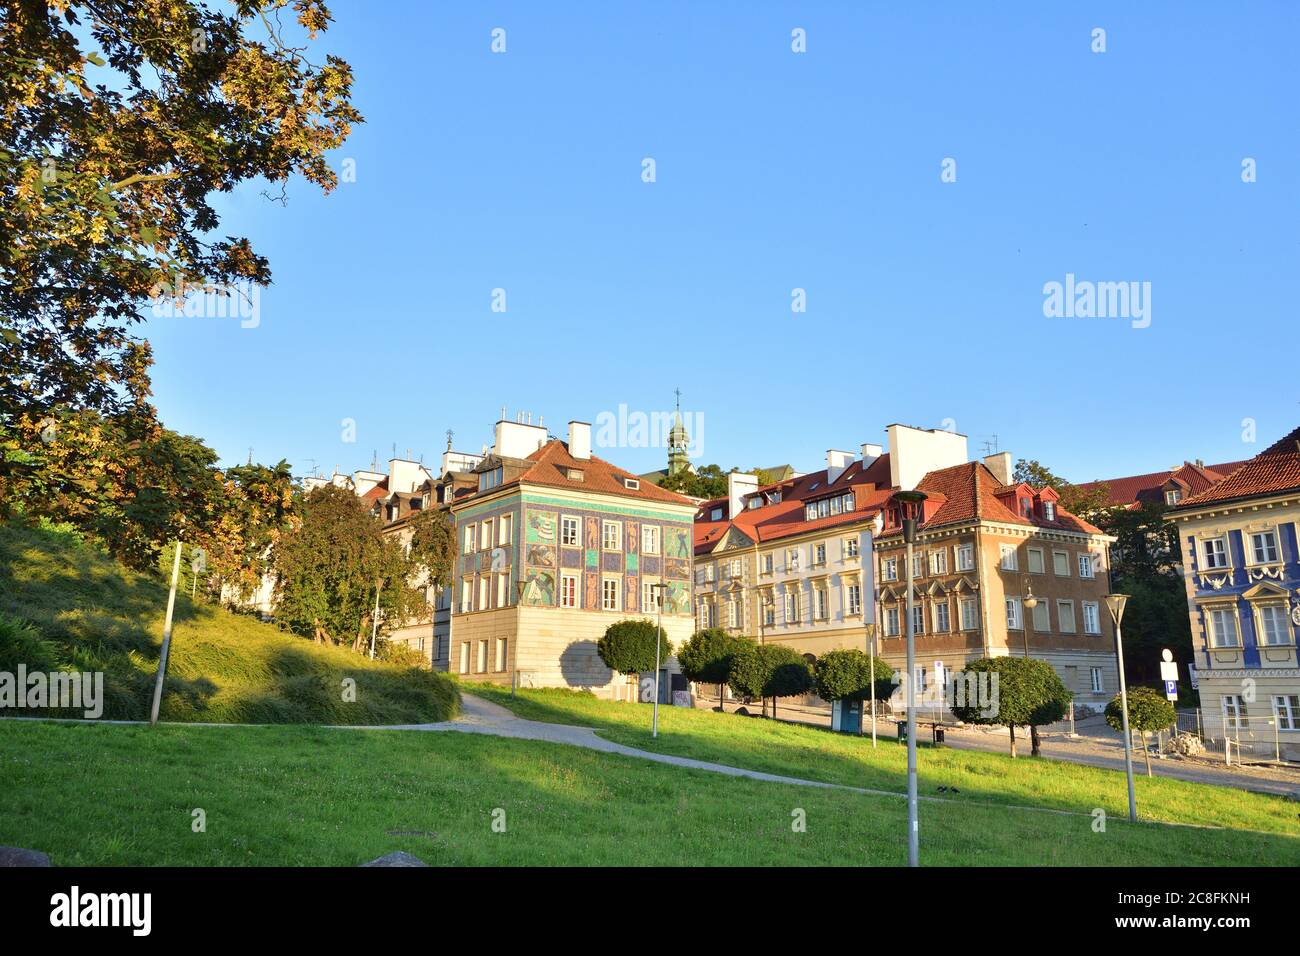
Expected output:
(1096, 746)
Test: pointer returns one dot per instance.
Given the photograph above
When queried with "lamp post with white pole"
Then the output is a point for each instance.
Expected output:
(1116, 602)
(659, 630)
(871, 655)
(912, 512)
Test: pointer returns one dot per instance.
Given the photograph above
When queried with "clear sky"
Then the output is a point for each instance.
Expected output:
(777, 170)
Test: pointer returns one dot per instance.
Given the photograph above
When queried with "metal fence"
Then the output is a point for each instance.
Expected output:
(1244, 737)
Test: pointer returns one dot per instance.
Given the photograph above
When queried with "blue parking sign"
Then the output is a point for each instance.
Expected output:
(1171, 689)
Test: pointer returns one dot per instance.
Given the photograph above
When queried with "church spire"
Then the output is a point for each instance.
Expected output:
(678, 441)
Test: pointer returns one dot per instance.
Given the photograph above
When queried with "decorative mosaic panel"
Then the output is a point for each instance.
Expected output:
(539, 526)
(539, 588)
(677, 543)
(541, 555)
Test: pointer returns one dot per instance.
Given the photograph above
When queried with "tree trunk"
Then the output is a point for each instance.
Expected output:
(1036, 745)
(1145, 752)
(1013, 740)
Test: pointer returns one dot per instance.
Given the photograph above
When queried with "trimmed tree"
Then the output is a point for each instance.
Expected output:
(628, 647)
(845, 674)
(1147, 710)
(1029, 692)
(770, 670)
(707, 656)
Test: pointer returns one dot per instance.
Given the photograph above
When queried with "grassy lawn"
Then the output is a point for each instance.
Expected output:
(816, 754)
(89, 613)
(117, 795)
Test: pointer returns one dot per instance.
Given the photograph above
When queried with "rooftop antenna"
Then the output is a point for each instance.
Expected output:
(991, 445)
(503, 413)
(449, 434)
(374, 459)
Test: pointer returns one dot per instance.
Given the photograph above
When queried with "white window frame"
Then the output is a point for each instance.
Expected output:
(1216, 635)
(939, 561)
(1286, 711)
(467, 540)
(652, 596)
(570, 523)
(1283, 620)
(568, 597)
(649, 539)
(889, 569)
(1208, 553)
(942, 617)
(611, 530)
(503, 653)
(505, 529)
(1087, 571)
(850, 547)
(918, 611)
(853, 599)
(1015, 614)
(892, 621)
(1233, 713)
(1098, 687)
(1091, 617)
(605, 592)
(970, 621)
(966, 557)
(1271, 535)
(1061, 563)
(1007, 558)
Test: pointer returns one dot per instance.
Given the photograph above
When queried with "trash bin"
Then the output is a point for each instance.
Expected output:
(938, 734)
(902, 731)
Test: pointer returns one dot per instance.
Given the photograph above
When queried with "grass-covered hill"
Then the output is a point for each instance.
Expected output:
(65, 605)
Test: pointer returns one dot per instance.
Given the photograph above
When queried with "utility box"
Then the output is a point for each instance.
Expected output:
(846, 716)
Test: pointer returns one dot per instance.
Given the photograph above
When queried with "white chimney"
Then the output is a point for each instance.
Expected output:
(517, 439)
(836, 463)
(739, 485)
(870, 453)
(915, 452)
(580, 440)
(1000, 465)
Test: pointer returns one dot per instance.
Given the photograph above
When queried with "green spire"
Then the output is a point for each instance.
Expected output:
(678, 440)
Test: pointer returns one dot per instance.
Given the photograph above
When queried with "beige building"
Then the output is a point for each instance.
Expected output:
(555, 546)
(784, 563)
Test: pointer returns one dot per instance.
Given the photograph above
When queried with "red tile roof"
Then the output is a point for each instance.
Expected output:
(551, 465)
(1276, 469)
(1134, 490)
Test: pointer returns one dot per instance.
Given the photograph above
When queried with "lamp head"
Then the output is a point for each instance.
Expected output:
(1116, 604)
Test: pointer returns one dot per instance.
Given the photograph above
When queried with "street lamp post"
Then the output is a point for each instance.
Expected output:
(871, 655)
(1116, 602)
(659, 629)
(912, 510)
(1030, 602)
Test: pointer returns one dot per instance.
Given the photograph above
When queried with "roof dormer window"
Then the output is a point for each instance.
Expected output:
(1049, 510)
(1173, 496)
(631, 484)
(573, 474)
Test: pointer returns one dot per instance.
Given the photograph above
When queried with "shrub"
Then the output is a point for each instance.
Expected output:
(1148, 710)
(628, 647)
(708, 655)
(770, 670)
(845, 674)
(1029, 691)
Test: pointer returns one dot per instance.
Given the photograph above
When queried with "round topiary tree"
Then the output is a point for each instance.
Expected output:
(1026, 692)
(1147, 710)
(628, 647)
(845, 674)
(708, 655)
(770, 670)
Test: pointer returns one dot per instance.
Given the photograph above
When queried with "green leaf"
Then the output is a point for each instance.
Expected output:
(95, 58)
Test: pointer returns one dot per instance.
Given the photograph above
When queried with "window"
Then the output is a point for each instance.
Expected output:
(650, 539)
(769, 611)
(1272, 624)
(573, 474)
(710, 614)
(969, 614)
(715, 514)
(791, 608)
(891, 622)
(821, 605)
(966, 557)
(939, 561)
(1049, 510)
(1097, 686)
(850, 547)
(1223, 627)
(918, 619)
(1091, 618)
(569, 531)
(485, 536)
(889, 569)
(854, 598)
(767, 563)
(609, 594)
(568, 590)
(1173, 496)
(1065, 616)
(632, 484)
(1086, 566)
(482, 662)
(1232, 714)
(1263, 547)
(652, 597)
(941, 617)
(792, 559)
(502, 647)
(1216, 552)
(504, 531)
(1008, 561)
(468, 545)
(1061, 563)
(1014, 620)
(918, 564)
(503, 589)
(464, 657)
(484, 593)
(733, 612)
(611, 535)
(1036, 561)
(1042, 616)
(819, 554)
(1286, 711)
(466, 595)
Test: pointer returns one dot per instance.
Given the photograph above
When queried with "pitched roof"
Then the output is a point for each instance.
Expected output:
(1135, 490)
(551, 465)
(1275, 469)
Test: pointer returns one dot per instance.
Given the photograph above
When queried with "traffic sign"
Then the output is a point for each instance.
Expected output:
(1171, 689)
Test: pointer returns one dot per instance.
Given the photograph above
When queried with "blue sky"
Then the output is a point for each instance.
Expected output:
(774, 171)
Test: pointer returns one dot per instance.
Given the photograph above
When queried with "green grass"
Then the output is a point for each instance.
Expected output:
(83, 611)
(92, 794)
(813, 753)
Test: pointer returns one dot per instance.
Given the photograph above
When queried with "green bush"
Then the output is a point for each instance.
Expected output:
(1148, 710)
(707, 656)
(628, 647)
(845, 674)
(1029, 692)
(770, 670)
